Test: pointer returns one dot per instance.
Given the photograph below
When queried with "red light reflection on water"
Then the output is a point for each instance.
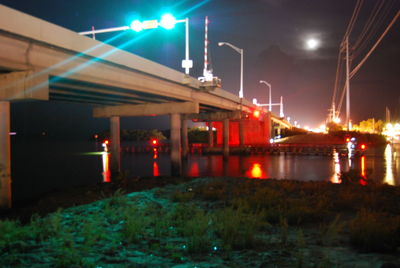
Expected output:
(156, 170)
(363, 174)
(106, 167)
(255, 171)
(363, 180)
(194, 170)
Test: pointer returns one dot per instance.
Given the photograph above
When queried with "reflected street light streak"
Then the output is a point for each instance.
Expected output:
(336, 175)
(106, 167)
(389, 178)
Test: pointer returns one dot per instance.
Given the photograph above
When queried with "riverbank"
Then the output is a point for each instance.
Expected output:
(215, 222)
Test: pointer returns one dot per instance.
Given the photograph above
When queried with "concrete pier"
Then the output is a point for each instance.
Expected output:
(185, 138)
(225, 137)
(241, 133)
(5, 156)
(176, 161)
(115, 161)
(210, 134)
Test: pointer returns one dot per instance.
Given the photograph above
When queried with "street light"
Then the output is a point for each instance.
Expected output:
(167, 22)
(269, 85)
(240, 51)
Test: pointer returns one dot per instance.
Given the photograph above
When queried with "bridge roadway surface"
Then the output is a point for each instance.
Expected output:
(43, 61)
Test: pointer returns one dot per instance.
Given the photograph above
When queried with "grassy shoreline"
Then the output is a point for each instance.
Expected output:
(215, 222)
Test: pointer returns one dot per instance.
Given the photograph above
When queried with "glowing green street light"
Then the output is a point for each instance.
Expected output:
(167, 22)
(136, 25)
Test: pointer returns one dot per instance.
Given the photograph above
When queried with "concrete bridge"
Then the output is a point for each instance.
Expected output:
(42, 61)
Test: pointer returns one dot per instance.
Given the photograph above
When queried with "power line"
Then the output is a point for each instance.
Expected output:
(355, 70)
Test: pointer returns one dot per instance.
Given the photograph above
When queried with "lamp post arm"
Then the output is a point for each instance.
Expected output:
(107, 30)
(238, 50)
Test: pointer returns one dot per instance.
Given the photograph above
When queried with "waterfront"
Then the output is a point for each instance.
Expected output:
(47, 165)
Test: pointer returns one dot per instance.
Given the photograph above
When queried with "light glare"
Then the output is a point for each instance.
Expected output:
(136, 26)
(312, 44)
(168, 21)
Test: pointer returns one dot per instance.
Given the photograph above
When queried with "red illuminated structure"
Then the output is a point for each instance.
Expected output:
(257, 130)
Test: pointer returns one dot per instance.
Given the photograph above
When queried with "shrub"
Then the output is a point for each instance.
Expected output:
(183, 196)
(11, 232)
(135, 224)
(236, 228)
(198, 233)
(371, 231)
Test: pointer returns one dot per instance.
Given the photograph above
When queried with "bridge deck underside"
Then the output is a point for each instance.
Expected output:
(65, 89)
(72, 90)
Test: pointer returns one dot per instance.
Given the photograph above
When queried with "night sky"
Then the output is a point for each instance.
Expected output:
(272, 34)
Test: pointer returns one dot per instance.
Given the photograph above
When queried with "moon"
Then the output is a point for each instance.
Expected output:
(312, 44)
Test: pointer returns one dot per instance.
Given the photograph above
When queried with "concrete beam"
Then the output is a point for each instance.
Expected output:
(24, 85)
(217, 116)
(147, 109)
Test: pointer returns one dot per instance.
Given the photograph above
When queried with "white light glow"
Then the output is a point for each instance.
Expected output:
(168, 21)
(312, 44)
(136, 26)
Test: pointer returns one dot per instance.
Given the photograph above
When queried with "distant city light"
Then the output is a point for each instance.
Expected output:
(336, 120)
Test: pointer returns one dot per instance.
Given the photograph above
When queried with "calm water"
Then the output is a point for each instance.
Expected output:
(45, 166)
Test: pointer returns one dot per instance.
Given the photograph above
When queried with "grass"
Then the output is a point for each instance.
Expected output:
(216, 218)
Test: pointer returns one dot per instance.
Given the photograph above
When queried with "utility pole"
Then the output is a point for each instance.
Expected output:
(347, 85)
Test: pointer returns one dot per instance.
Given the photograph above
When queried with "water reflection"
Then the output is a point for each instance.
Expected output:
(156, 170)
(106, 167)
(389, 178)
(256, 171)
(363, 174)
(296, 167)
(336, 173)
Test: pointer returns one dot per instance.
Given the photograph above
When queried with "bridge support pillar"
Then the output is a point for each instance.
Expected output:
(210, 134)
(185, 139)
(115, 161)
(241, 133)
(175, 146)
(5, 156)
(225, 137)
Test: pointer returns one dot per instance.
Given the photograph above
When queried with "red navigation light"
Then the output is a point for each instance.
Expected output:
(154, 142)
(347, 139)
(256, 113)
(363, 147)
(106, 142)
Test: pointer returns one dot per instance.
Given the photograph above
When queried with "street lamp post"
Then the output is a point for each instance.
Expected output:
(240, 51)
(269, 85)
(167, 22)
